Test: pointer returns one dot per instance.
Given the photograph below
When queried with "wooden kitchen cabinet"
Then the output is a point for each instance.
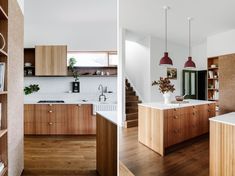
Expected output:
(59, 119)
(177, 126)
(80, 119)
(29, 119)
(51, 60)
(161, 128)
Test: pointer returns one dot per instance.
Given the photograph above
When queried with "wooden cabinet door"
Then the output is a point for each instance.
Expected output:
(87, 123)
(194, 126)
(203, 114)
(51, 61)
(29, 119)
(173, 127)
(61, 123)
(80, 119)
(73, 119)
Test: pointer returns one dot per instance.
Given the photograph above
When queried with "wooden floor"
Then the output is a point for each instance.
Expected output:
(57, 156)
(192, 160)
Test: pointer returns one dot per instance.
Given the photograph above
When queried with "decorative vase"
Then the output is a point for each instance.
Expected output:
(167, 97)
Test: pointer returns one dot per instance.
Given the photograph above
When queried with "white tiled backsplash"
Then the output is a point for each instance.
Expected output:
(57, 88)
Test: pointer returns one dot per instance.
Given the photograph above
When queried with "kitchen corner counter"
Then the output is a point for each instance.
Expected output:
(228, 119)
(162, 106)
(106, 142)
(109, 115)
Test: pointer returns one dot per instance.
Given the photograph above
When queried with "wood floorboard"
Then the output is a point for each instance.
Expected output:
(57, 156)
(191, 160)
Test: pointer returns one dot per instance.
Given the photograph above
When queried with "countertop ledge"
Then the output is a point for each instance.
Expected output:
(162, 106)
(228, 119)
(71, 102)
(109, 115)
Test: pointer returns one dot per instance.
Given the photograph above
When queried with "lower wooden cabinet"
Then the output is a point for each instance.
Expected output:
(59, 119)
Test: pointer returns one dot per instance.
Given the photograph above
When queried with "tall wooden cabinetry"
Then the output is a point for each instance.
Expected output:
(51, 60)
(4, 94)
(227, 83)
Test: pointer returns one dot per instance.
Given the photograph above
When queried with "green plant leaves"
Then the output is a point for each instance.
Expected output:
(31, 88)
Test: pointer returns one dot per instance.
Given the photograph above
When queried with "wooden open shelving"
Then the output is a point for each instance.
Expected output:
(213, 79)
(4, 94)
(29, 56)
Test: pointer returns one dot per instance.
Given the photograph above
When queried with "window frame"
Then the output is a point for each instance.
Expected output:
(106, 52)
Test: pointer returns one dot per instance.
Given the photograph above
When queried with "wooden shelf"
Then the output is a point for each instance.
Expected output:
(3, 15)
(213, 68)
(212, 100)
(29, 66)
(213, 89)
(3, 92)
(213, 78)
(3, 53)
(82, 76)
(3, 132)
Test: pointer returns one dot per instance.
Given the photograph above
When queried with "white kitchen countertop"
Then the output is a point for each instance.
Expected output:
(162, 106)
(70, 102)
(228, 119)
(109, 115)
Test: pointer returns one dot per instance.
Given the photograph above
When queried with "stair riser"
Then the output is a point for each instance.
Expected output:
(132, 98)
(130, 93)
(131, 111)
(131, 124)
(132, 117)
(132, 104)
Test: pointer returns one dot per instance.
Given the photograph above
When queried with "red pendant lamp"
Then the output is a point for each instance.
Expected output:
(166, 60)
(189, 63)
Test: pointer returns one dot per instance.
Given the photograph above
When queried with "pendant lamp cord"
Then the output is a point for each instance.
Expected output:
(189, 22)
(166, 29)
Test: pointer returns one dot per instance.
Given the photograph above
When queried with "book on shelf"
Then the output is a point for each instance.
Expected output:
(2, 76)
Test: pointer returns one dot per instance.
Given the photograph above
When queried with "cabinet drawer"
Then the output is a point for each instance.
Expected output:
(46, 128)
(174, 112)
(45, 113)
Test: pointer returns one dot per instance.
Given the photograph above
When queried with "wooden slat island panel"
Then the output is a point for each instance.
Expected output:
(222, 150)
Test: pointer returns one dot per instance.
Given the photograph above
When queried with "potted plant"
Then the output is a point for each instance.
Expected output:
(165, 87)
(76, 83)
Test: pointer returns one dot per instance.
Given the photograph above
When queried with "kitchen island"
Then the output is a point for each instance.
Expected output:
(164, 125)
(222, 142)
(106, 143)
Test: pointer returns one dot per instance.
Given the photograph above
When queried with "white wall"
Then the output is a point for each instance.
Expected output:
(178, 54)
(21, 4)
(137, 65)
(143, 54)
(199, 54)
(95, 36)
(221, 44)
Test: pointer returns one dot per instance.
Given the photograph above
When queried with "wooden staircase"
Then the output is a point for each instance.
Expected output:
(132, 101)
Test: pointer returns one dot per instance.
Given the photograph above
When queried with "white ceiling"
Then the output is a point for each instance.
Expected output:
(147, 16)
